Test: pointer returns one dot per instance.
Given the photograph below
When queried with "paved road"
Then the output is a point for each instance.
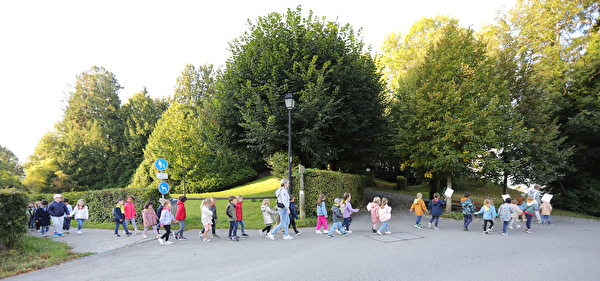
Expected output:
(569, 250)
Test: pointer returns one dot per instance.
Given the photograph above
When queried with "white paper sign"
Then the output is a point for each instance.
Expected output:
(547, 197)
(162, 176)
(449, 192)
(504, 196)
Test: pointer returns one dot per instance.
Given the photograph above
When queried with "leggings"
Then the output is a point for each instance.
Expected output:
(267, 228)
(513, 222)
(485, 223)
(293, 224)
(167, 233)
(153, 227)
(212, 224)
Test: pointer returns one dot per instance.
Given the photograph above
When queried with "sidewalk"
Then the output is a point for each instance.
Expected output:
(566, 251)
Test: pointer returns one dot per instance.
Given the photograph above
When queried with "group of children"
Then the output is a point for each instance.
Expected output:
(60, 212)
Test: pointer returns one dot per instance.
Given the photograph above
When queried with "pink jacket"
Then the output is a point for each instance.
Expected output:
(385, 213)
(374, 209)
(129, 211)
(150, 218)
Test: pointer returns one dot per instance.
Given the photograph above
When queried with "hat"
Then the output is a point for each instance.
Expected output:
(337, 200)
(161, 200)
(57, 196)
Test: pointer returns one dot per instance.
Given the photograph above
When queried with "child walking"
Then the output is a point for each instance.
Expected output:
(385, 213)
(166, 219)
(419, 206)
(347, 211)
(207, 215)
(213, 209)
(42, 218)
(267, 216)
(57, 211)
(149, 218)
(529, 209)
(239, 213)
(81, 214)
(435, 207)
(119, 218)
(232, 217)
(30, 212)
(504, 212)
(321, 215)
(514, 216)
(36, 206)
(373, 207)
(180, 216)
(468, 209)
(337, 217)
(293, 216)
(130, 213)
(546, 209)
(67, 219)
(489, 213)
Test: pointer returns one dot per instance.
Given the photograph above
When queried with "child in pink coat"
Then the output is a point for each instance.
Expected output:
(130, 213)
(373, 207)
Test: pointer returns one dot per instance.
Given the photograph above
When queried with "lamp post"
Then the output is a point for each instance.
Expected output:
(289, 103)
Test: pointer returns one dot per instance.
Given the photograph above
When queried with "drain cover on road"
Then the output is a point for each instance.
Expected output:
(394, 237)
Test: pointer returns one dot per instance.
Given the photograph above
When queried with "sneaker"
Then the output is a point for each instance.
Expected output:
(215, 236)
(344, 234)
(181, 238)
(504, 233)
(429, 225)
(55, 234)
(338, 232)
(325, 231)
(39, 230)
(375, 231)
(510, 227)
(235, 239)
(79, 232)
(416, 226)
(128, 234)
(528, 231)
(158, 236)
(161, 241)
(168, 242)
(540, 222)
(349, 231)
(288, 237)
(387, 232)
(176, 237)
(138, 231)
(299, 232)
(435, 228)
(60, 235)
(329, 236)
(206, 240)
(144, 236)
(379, 232)
(117, 235)
(270, 236)
(518, 226)
(66, 232)
(261, 233)
(551, 224)
(464, 228)
(244, 235)
(318, 232)
(486, 232)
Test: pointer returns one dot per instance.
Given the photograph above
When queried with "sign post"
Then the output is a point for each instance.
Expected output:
(161, 164)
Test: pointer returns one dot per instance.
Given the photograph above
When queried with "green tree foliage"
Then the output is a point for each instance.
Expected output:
(194, 84)
(339, 97)
(11, 171)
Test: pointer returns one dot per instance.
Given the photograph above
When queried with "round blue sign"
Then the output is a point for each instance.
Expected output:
(163, 188)
(161, 164)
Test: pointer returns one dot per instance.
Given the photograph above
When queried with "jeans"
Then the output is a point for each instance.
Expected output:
(241, 226)
(505, 226)
(384, 225)
(233, 229)
(322, 221)
(57, 223)
(67, 223)
(31, 223)
(529, 217)
(181, 228)
(418, 222)
(285, 222)
(45, 228)
(117, 223)
(337, 225)
(346, 223)
(544, 217)
(468, 220)
(80, 224)
(436, 219)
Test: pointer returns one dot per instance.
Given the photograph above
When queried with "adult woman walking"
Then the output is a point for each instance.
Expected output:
(283, 204)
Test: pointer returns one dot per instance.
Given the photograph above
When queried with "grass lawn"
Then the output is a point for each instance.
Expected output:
(35, 253)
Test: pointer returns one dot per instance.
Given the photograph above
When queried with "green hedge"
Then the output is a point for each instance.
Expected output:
(102, 202)
(332, 184)
(13, 218)
(401, 183)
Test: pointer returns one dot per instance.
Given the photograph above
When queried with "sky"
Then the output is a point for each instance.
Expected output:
(44, 45)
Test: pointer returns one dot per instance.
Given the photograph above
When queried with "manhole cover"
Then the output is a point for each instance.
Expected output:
(394, 237)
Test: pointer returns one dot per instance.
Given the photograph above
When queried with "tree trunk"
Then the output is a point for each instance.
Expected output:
(449, 200)
(505, 185)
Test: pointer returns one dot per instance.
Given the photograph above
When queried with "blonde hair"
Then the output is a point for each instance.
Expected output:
(206, 202)
(266, 201)
(166, 202)
(80, 201)
(487, 201)
(37, 204)
(376, 200)
(419, 195)
(384, 201)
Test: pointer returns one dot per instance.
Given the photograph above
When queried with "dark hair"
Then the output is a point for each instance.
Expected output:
(44, 202)
(321, 198)
(66, 200)
(130, 196)
(467, 194)
(291, 197)
(508, 200)
(231, 198)
(346, 195)
(119, 200)
(148, 203)
(436, 195)
(182, 198)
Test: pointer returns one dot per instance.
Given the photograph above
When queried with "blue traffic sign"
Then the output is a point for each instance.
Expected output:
(163, 188)
(161, 164)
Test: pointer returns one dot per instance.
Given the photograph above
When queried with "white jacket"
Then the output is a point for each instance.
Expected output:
(207, 215)
(80, 213)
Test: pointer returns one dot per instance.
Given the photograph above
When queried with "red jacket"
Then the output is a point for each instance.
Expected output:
(180, 215)
(238, 210)
(129, 209)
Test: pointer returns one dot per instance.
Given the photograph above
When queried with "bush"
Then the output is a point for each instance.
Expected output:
(13, 221)
(332, 184)
(102, 202)
(400, 183)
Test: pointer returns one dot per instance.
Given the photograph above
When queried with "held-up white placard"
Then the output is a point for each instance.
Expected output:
(449, 192)
(547, 197)
(504, 196)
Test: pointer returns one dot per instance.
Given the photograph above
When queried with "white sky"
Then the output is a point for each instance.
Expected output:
(44, 45)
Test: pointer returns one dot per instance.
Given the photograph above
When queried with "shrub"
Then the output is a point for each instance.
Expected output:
(400, 183)
(102, 202)
(13, 221)
(332, 184)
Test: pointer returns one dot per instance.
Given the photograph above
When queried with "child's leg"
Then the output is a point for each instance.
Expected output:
(345, 222)
(548, 218)
(349, 223)
(319, 222)
(79, 224)
(436, 220)
(293, 224)
(468, 220)
(167, 232)
(145, 230)
(43, 229)
(491, 223)
(418, 220)
(155, 229)
(528, 223)
(537, 215)
(181, 228)
(485, 222)
(431, 220)
(267, 228)
(323, 221)
(117, 223)
(235, 228)
(335, 225)
(505, 226)
(242, 226)
(125, 227)
(231, 223)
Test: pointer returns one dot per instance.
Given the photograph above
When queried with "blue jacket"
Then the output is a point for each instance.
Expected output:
(337, 213)
(436, 208)
(321, 209)
(118, 215)
(467, 206)
(42, 216)
(57, 209)
(293, 214)
(489, 214)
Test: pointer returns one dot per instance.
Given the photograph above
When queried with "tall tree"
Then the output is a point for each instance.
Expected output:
(11, 171)
(194, 84)
(339, 97)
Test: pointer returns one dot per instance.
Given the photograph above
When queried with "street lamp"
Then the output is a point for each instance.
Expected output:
(289, 103)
